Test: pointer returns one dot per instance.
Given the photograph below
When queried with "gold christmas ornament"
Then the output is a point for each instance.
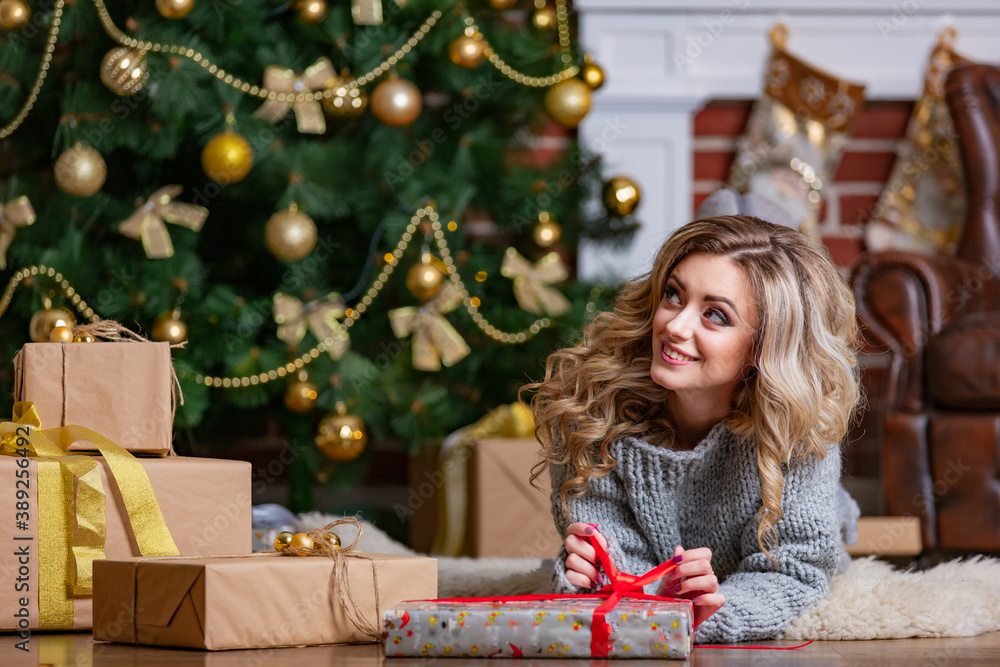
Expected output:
(170, 327)
(544, 18)
(592, 74)
(148, 223)
(424, 279)
(83, 338)
(61, 334)
(294, 318)
(80, 171)
(14, 14)
(396, 102)
(435, 341)
(302, 541)
(621, 195)
(174, 9)
(44, 321)
(290, 235)
(227, 158)
(282, 540)
(546, 232)
(17, 213)
(502, 4)
(309, 117)
(467, 50)
(332, 539)
(123, 70)
(311, 11)
(345, 102)
(341, 436)
(531, 283)
(300, 396)
(568, 101)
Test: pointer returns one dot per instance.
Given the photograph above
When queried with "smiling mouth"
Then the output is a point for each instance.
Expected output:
(673, 354)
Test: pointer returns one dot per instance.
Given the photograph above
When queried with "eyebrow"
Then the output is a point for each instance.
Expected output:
(708, 297)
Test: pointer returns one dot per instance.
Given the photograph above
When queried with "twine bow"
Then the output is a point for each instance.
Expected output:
(148, 221)
(435, 341)
(17, 213)
(308, 114)
(531, 283)
(294, 318)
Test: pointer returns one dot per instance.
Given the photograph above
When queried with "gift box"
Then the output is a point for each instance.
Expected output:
(538, 628)
(205, 504)
(122, 390)
(259, 601)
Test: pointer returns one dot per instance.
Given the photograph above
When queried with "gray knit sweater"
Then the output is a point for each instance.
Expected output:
(656, 498)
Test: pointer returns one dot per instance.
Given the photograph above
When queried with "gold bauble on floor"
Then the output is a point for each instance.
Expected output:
(568, 101)
(123, 71)
(312, 11)
(174, 9)
(227, 158)
(341, 436)
(621, 195)
(14, 14)
(300, 396)
(290, 235)
(170, 327)
(467, 50)
(396, 102)
(80, 171)
(44, 321)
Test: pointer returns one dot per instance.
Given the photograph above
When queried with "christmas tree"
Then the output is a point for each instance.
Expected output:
(337, 207)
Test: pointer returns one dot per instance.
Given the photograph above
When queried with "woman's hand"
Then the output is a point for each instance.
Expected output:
(581, 559)
(694, 580)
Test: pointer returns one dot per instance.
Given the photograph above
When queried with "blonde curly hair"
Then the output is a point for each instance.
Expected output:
(799, 399)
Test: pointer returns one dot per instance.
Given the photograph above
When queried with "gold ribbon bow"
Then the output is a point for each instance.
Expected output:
(369, 12)
(294, 318)
(67, 544)
(531, 283)
(308, 115)
(17, 213)
(148, 221)
(435, 341)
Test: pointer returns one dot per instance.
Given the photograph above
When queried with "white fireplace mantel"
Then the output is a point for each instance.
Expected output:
(664, 59)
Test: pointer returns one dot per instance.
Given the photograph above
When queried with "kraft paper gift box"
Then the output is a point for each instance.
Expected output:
(121, 390)
(205, 504)
(260, 601)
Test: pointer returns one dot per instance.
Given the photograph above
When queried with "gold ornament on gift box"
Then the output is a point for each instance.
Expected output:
(424, 278)
(341, 436)
(14, 14)
(396, 102)
(123, 71)
(532, 283)
(434, 340)
(83, 337)
(16, 213)
(621, 195)
(546, 232)
(300, 395)
(61, 334)
(309, 117)
(568, 101)
(320, 317)
(592, 74)
(227, 158)
(282, 540)
(290, 235)
(44, 321)
(174, 9)
(467, 50)
(346, 102)
(148, 223)
(311, 11)
(169, 327)
(80, 171)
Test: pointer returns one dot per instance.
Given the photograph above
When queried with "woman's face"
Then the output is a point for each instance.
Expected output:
(704, 328)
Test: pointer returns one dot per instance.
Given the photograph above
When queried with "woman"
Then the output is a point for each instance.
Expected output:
(701, 421)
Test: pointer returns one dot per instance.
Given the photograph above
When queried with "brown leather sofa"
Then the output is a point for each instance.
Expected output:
(939, 318)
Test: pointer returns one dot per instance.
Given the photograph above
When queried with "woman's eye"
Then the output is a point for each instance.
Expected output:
(671, 295)
(718, 317)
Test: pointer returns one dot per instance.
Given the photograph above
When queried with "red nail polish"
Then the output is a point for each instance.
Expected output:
(678, 558)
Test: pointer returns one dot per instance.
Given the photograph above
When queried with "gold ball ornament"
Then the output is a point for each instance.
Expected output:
(312, 11)
(169, 327)
(123, 70)
(592, 74)
(345, 102)
(300, 396)
(83, 338)
(332, 539)
(61, 334)
(44, 321)
(621, 195)
(467, 50)
(14, 14)
(568, 101)
(302, 541)
(546, 232)
(227, 158)
(424, 280)
(174, 9)
(80, 171)
(544, 18)
(282, 540)
(341, 436)
(396, 102)
(290, 235)
(502, 4)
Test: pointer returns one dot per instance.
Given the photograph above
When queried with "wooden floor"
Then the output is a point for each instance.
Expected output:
(80, 650)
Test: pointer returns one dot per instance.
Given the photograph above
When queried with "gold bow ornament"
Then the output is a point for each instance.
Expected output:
(148, 223)
(72, 525)
(369, 12)
(531, 283)
(17, 213)
(308, 114)
(435, 341)
(321, 316)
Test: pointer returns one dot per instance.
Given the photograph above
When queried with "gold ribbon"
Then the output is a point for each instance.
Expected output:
(17, 213)
(294, 318)
(531, 283)
(59, 536)
(148, 221)
(435, 341)
(308, 115)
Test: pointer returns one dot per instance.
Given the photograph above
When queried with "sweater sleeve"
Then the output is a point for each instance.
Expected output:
(605, 503)
(760, 601)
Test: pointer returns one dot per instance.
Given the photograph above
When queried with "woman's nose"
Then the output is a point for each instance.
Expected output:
(682, 324)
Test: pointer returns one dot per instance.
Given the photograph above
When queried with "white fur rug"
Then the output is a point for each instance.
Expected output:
(871, 600)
